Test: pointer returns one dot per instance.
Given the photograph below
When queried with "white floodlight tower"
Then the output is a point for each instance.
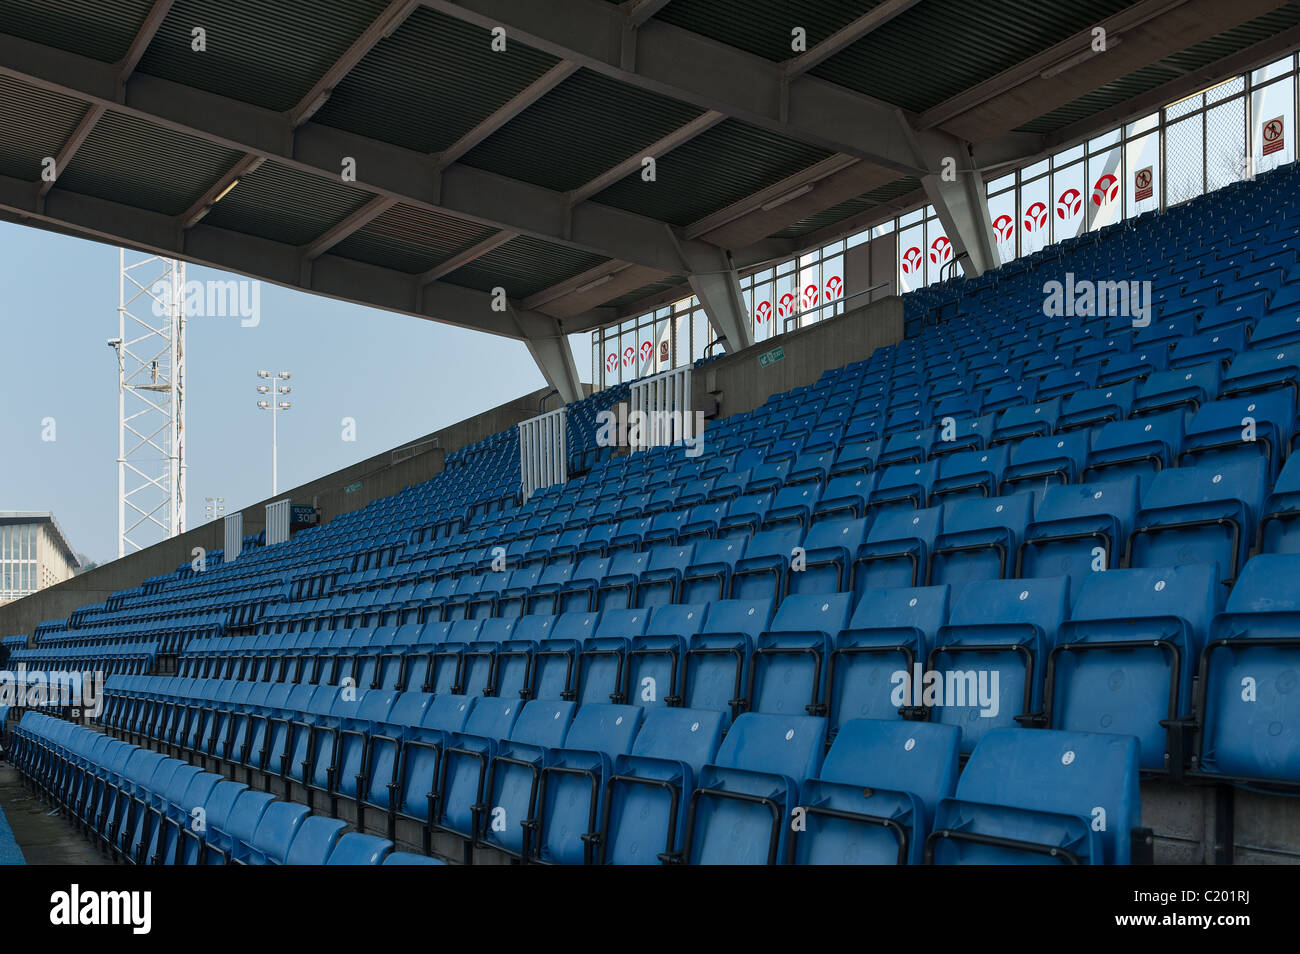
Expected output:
(150, 346)
(273, 391)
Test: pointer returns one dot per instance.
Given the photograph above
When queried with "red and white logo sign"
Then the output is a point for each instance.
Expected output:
(785, 306)
(629, 355)
(911, 260)
(1003, 225)
(763, 312)
(940, 250)
(1105, 189)
(1274, 136)
(1143, 184)
(810, 295)
(647, 349)
(1068, 204)
(1035, 217)
(611, 361)
(834, 287)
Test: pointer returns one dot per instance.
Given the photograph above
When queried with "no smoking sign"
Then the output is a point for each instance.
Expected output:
(1142, 184)
(1274, 137)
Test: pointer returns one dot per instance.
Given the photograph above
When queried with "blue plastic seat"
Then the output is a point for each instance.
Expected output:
(717, 658)
(890, 632)
(1080, 529)
(845, 496)
(570, 801)
(602, 660)
(708, 577)
(762, 571)
(897, 549)
(968, 474)
(1250, 719)
(660, 582)
(874, 799)
(554, 670)
(509, 799)
(1127, 655)
(463, 765)
(355, 848)
(826, 561)
(990, 656)
(648, 793)
(1140, 446)
(1253, 425)
(1279, 526)
(1092, 409)
(1263, 369)
(1041, 798)
(903, 486)
(739, 813)
(1040, 462)
(788, 671)
(1204, 514)
(980, 539)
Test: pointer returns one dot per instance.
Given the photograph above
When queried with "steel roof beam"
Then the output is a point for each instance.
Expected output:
(382, 27)
(846, 36)
(404, 175)
(687, 66)
(471, 254)
(1136, 37)
(276, 262)
(341, 230)
(124, 68)
(507, 111)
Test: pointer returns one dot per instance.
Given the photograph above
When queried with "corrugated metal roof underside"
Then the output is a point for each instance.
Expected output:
(102, 31)
(264, 53)
(285, 205)
(582, 128)
(34, 124)
(1122, 89)
(524, 266)
(646, 291)
(411, 239)
(431, 82)
(1238, 38)
(1193, 58)
(870, 200)
(939, 48)
(730, 162)
(138, 163)
(764, 27)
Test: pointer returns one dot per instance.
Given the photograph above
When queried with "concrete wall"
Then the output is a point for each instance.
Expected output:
(740, 383)
(340, 492)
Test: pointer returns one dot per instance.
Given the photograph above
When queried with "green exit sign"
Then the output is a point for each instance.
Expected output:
(770, 357)
(352, 488)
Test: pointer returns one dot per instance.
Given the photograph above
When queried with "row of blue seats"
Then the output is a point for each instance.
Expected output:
(144, 808)
(553, 782)
(1210, 513)
(1147, 652)
(122, 658)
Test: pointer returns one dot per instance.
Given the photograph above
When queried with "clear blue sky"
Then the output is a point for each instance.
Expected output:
(399, 377)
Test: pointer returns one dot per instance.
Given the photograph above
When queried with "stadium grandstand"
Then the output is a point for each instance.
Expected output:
(934, 499)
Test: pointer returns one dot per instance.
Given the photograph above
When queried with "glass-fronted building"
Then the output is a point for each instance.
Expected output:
(34, 554)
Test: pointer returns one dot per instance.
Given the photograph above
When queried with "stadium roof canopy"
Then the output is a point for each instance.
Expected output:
(391, 153)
